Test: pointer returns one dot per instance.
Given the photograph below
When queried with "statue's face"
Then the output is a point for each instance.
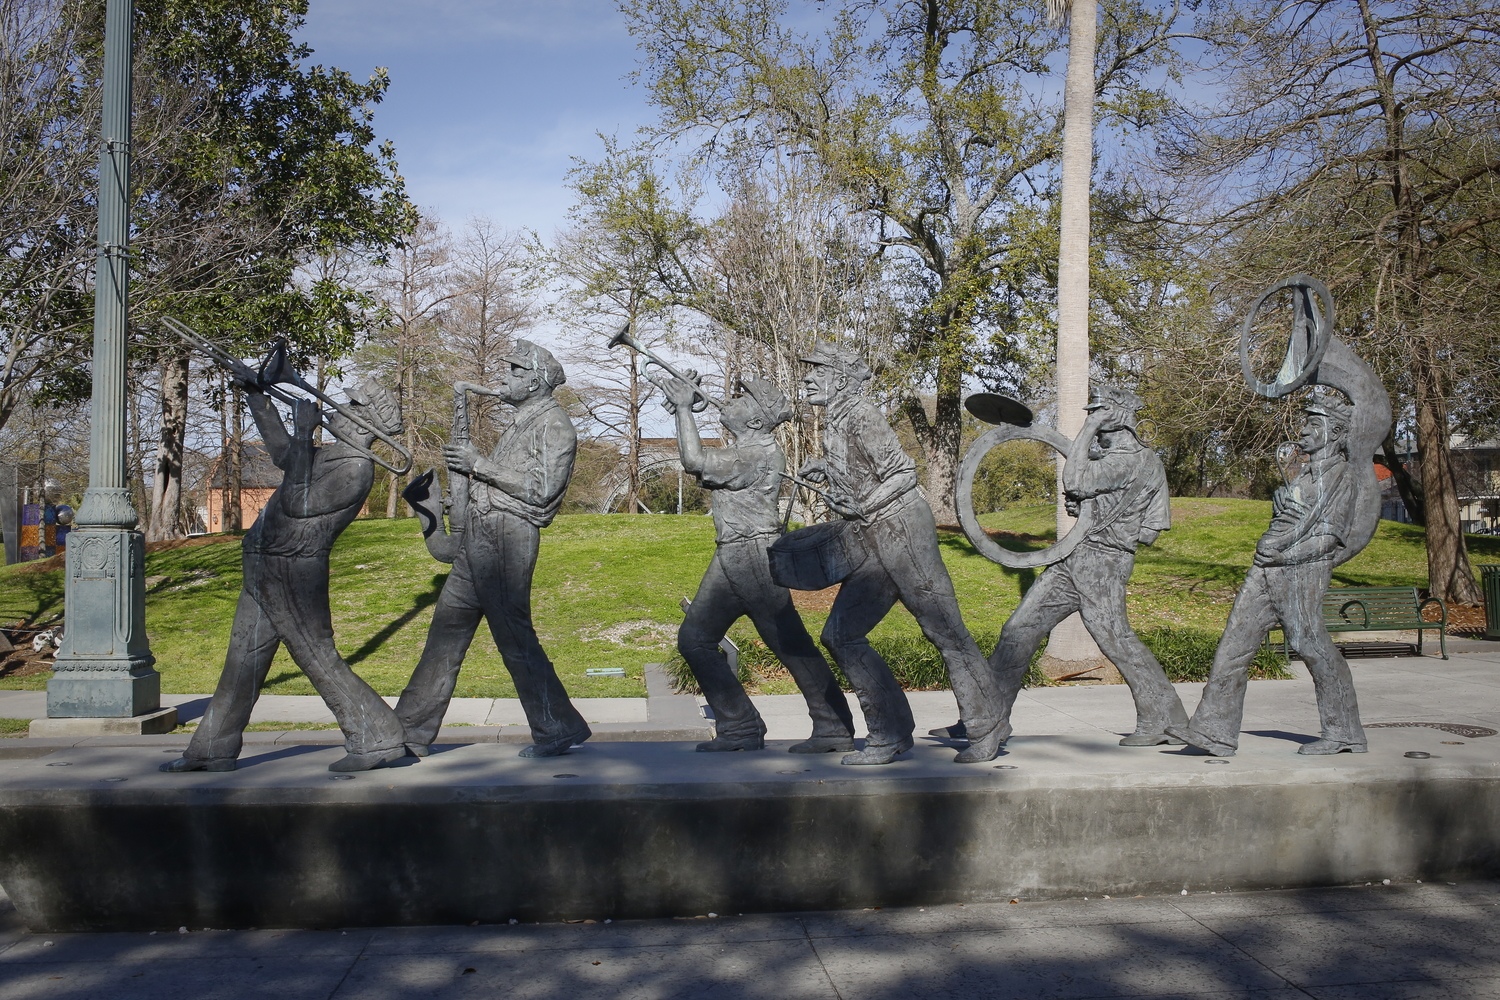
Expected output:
(820, 384)
(738, 414)
(520, 384)
(1317, 433)
(1113, 418)
(347, 430)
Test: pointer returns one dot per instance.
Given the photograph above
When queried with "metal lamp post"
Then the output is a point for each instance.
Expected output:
(104, 666)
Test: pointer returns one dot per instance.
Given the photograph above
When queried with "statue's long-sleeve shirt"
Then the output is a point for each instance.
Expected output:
(863, 456)
(537, 448)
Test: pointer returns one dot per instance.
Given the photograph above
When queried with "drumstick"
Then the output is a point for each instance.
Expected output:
(806, 485)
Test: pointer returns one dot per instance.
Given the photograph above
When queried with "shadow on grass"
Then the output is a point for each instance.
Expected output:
(384, 635)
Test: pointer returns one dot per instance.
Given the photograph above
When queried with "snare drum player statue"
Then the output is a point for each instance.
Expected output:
(512, 495)
(285, 598)
(873, 484)
(1310, 527)
(745, 480)
(1123, 481)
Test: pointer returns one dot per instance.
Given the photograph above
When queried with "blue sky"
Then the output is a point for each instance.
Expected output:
(489, 99)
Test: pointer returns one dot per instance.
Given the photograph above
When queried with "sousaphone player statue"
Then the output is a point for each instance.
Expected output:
(1324, 515)
(1116, 487)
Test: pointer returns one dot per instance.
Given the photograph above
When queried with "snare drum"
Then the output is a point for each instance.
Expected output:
(816, 557)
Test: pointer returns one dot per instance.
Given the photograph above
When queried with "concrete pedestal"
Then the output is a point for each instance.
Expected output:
(97, 838)
(163, 720)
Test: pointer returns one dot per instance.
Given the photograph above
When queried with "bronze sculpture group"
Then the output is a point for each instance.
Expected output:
(881, 547)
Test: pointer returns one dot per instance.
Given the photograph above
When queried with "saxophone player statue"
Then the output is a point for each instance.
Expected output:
(511, 495)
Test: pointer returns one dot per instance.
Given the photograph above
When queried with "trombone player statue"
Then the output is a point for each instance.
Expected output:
(511, 495)
(285, 559)
(745, 479)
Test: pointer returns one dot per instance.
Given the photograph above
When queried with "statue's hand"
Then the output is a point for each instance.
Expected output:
(461, 458)
(1071, 505)
(844, 506)
(814, 470)
(305, 418)
(679, 393)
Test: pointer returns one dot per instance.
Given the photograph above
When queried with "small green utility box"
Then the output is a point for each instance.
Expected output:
(1490, 574)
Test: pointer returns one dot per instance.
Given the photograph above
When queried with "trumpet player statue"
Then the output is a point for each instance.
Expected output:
(285, 596)
(1123, 485)
(745, 480)
(511, 495)
(889, 552)
(1324, 515)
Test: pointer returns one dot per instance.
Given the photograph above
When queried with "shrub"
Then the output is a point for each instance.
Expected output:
(914, 661)
(1186, 654)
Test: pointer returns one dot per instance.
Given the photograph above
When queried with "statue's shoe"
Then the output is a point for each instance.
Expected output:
(984, 749)
(728, 744)
(186, 763)
(1151, 740)
(957, 731)
(878, 753)
(1207, 744)
(1319, 748)
(823, 744)
(418, 749)
(368, 761)
(557, 747)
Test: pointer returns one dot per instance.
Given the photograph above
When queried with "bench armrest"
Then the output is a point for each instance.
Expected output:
(1344, 608)
(1441, 606)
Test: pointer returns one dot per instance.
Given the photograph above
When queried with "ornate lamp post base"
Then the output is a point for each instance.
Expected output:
(103, 669)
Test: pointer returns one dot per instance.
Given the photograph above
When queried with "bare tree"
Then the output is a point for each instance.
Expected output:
(415, 290)
(1357, 140)
(491, 273)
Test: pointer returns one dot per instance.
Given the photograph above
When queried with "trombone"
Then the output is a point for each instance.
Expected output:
(701, 401)
(275, 373)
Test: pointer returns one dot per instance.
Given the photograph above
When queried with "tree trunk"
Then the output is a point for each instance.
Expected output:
(947, 434)
(1449, 575)
(1070, 641)
(234, 477)
(633, 446)
(1408, 488)
(166, 484)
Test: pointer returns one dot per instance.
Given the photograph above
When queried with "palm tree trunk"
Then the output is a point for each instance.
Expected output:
(1070, 642)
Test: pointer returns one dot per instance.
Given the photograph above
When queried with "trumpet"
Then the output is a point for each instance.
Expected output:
(701, 401)
(275, 373)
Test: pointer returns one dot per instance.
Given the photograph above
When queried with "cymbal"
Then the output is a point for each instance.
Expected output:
(996, 409)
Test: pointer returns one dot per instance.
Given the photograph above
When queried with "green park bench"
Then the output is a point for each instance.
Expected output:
(1378, 609)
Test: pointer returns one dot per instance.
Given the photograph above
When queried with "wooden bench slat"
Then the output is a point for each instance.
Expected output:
(1378, 609)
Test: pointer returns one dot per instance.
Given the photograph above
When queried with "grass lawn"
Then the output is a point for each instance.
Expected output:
(607, 589)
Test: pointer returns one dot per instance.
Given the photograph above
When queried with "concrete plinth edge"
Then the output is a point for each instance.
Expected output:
(163, 720)
(648, 830)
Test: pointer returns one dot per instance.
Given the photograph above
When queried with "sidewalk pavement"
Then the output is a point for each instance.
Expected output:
(1377, 942)
(1464, 690)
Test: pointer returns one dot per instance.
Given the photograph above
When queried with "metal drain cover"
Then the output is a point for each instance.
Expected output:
(1456, 728)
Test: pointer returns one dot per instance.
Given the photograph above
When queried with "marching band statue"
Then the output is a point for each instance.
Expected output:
(745, 480)
(1324, 515)
(885, 549)
(510, 496)
(285, 596)
(1118, 488)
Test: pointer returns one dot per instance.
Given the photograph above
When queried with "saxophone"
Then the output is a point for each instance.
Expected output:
(443, 542)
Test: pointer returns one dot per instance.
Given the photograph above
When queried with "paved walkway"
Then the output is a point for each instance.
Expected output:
(1398, 942)
(1463, 689)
